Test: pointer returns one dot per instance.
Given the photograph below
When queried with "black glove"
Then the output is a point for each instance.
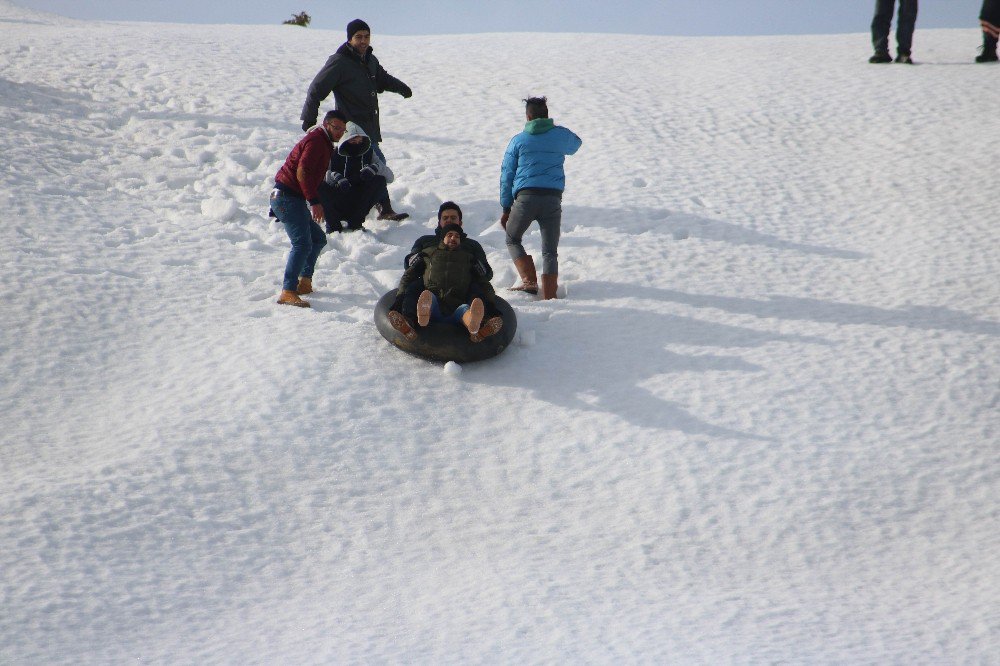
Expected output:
(368, 173)
(407, 93)
(307, 124)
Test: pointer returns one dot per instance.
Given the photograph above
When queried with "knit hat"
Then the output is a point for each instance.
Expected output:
(451, 227)
(357, 25)
(449, 205)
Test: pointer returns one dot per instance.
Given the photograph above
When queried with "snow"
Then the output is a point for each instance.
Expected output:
(761, 427)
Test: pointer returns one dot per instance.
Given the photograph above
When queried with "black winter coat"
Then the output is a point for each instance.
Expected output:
(355, 85)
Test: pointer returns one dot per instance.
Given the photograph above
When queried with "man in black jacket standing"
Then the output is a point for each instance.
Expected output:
(355, 77)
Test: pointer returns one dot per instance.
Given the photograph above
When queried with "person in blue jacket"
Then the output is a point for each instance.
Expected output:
(532, 181)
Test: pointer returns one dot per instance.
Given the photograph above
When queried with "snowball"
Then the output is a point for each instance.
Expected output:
(452, 369)
(219, 208)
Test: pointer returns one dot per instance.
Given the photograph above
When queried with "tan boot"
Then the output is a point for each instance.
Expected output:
(305, 286)
(549, 285)
(291, 298)
(529, 279)
(473, 317)
(424, 307)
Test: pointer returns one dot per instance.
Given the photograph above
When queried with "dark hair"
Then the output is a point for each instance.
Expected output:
(336, 113)
(536, 107)
(449, 205)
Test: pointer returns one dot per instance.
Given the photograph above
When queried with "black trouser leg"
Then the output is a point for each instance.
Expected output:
(330, 198)
(881, 23)
(989, 43)
(364, 196)
(904, 25)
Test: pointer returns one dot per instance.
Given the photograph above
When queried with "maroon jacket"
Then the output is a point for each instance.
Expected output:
(313, 154)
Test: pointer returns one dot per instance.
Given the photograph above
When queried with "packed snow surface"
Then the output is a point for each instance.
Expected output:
(762, 427)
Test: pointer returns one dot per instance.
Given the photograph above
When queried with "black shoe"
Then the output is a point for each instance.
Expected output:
(880, 57)
(986, 56)
(904, 58)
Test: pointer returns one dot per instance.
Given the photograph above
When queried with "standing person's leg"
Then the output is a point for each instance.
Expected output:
(881, 23)
(318, 243)
(549, 213)
(905, 23)
(384, 206)
(295, 217)
(517, 224)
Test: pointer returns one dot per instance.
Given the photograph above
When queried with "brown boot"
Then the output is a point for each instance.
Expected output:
(492, 326)
(549, 285)
(291, 298)
(401, 324)
(526, 269)
(305, 286)
(473, 317)
(424, 307)
(385, 212)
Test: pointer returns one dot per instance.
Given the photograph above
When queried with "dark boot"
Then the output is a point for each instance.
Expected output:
(526, 270)
(385, 212)
(880, 57)
(549, 285)
(988, 52)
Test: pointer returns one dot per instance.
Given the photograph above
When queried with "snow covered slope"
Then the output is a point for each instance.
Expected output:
(762, 428)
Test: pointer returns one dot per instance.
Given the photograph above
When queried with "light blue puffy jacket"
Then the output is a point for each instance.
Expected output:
(534, 158)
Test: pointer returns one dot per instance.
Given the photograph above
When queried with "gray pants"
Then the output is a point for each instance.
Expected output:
(547, 209)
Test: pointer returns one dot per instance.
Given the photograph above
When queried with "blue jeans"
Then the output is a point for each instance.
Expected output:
(306, 236)
(454, 318)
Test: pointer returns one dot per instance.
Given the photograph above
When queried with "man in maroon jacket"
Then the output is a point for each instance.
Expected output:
(295, 202)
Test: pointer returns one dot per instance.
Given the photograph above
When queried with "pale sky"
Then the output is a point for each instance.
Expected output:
(418, 17)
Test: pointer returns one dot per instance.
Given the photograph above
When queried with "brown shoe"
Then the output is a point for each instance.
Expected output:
(291, 298)
(491, 327)
(401, 324)
(526, 270)
(424, 307)
(305, 286)
(473, 317)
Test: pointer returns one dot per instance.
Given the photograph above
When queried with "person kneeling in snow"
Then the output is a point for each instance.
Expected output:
(452, 284)
(355, 181)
